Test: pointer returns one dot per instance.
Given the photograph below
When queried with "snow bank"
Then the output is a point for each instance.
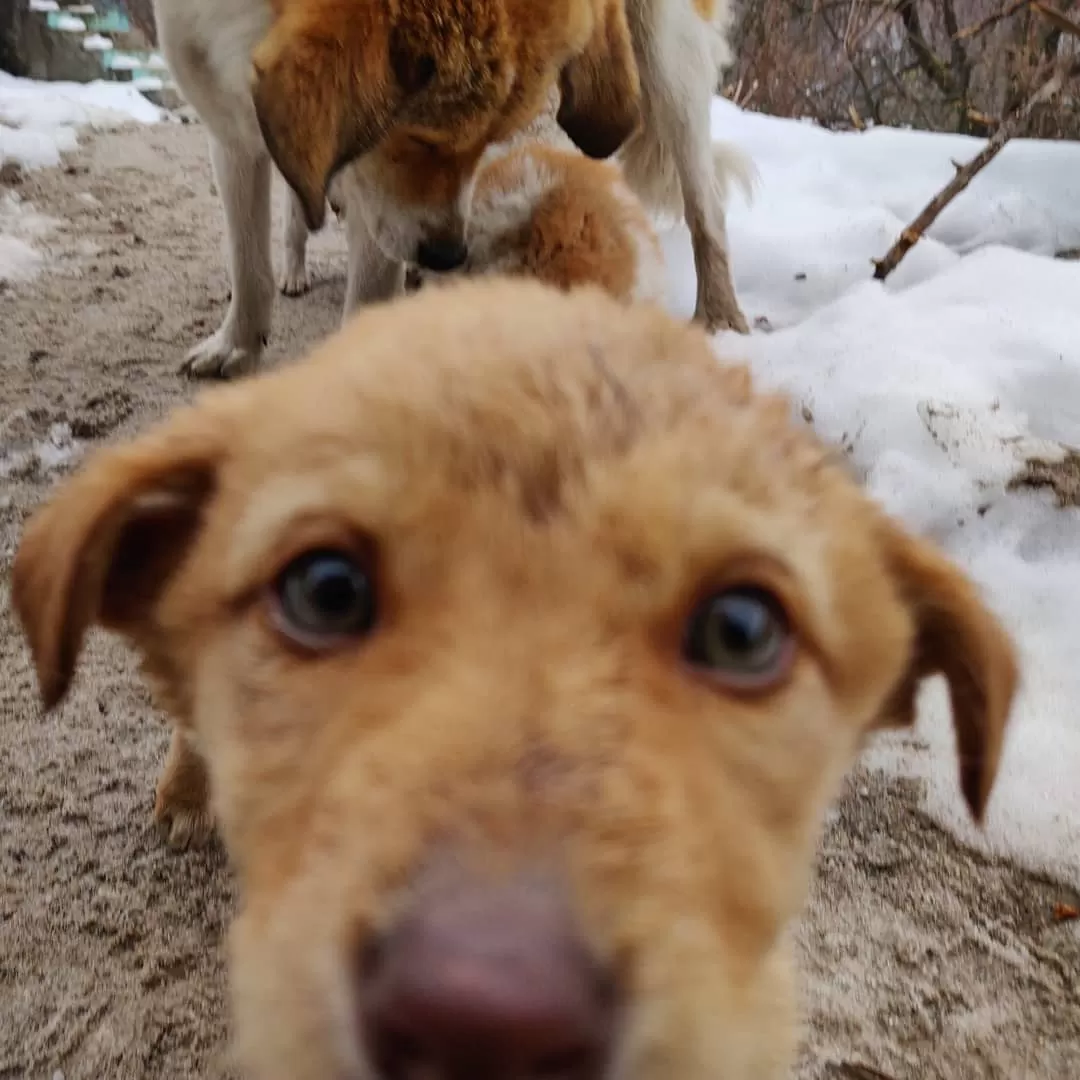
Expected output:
(70, 24)
(941, 383)
(39, 122)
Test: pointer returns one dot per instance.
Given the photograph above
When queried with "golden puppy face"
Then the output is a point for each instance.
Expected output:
(413, 92)
(526, 646)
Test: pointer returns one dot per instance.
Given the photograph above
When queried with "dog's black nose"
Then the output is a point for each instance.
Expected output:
(487, 982)
(441, 254)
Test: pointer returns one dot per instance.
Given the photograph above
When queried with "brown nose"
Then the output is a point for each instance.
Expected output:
(486, 983)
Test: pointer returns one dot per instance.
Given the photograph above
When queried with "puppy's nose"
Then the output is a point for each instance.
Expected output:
(441, 254)
(486, 984)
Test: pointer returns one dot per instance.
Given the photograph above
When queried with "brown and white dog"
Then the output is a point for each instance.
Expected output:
(409, 93)
(395, 101)
(517, 648)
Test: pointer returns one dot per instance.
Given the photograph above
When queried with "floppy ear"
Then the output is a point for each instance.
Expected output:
(324, 95)
(955, 636)
(601, 93)
(102, 550)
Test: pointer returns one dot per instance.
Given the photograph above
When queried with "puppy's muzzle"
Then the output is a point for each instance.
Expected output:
(486, 982)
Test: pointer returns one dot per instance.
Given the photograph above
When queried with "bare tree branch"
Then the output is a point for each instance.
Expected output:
(992, 20)
(1057, 19)
(1009, 128)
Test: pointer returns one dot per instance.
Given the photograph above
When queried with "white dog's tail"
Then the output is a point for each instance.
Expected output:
(732, 165)
(649, 167)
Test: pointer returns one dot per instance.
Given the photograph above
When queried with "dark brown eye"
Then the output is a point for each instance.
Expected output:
(324, 598)
(741, 637)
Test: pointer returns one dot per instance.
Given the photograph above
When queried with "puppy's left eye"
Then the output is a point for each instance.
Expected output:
(741, 637)
(324, 598)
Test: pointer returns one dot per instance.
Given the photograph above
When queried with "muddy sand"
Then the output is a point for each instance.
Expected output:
(921, 960)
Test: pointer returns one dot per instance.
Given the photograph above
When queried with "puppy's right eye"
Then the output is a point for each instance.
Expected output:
(324, 599)
(741, 638)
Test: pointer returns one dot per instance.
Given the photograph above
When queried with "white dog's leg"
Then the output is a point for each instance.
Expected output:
(294, 277)
(717, 306)
(243, 180)
(680, 55)
(685, 70)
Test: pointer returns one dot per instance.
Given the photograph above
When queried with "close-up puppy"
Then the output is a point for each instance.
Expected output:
(399, 97)
(517, 648)
(541, 209)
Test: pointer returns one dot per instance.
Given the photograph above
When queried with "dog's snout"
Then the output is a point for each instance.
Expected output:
(441, 254)
(490, 982)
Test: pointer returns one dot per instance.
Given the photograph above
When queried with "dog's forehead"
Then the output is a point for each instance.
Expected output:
(456, 359)
(485, 382)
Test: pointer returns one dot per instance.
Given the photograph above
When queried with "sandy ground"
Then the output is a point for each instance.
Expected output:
(921, 960)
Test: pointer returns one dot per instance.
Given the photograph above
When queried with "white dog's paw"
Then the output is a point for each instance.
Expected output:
(222, 357)
(295, 280)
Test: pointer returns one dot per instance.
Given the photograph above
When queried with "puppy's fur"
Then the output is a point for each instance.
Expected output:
(539, 208)
(544, 489)
(412, 91)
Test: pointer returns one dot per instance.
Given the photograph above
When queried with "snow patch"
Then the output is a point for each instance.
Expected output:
(69, 24)
(20, 228)
(18, 260)
(124, 62)
(97, 43)
(39, 122)
(55, 451)
(27, 104)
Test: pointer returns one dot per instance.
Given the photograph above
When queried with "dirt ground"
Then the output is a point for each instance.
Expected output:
(921, 960)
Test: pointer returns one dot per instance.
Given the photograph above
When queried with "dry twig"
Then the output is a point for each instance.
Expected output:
(1057, 19)
(1009, 129)
(992, 20)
